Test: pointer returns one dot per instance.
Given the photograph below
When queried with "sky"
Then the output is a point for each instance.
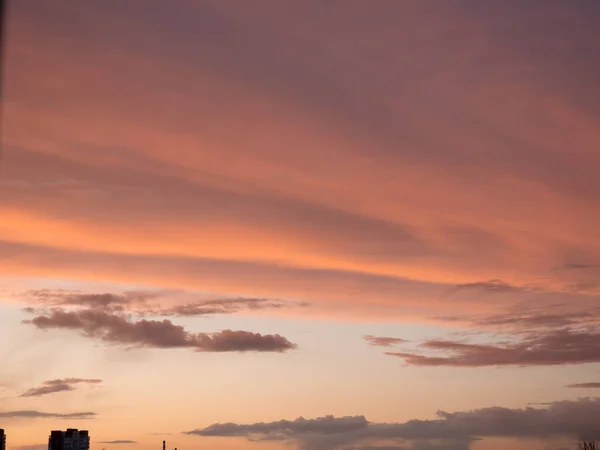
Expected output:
(305, 224)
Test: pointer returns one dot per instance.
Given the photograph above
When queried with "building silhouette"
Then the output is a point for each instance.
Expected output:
(2, 440)
(72, 439)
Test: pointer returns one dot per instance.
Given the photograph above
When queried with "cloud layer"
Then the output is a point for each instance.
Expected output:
(58, 385)
(120, 330)
(573, 419)
(27, 414)
(348, 187)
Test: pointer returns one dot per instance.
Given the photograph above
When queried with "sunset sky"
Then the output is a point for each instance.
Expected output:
(301, 224)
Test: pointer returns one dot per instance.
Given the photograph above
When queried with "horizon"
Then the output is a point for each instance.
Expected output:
(305, 224)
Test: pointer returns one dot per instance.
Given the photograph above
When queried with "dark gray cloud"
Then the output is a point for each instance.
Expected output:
(382, 341)
(591, 385)
(119, 329)
(561, 347)
(27, 414)
(118, 441)
(58, 385)
(572, 419)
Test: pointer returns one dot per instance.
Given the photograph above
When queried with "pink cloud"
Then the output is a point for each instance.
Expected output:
(373, 165)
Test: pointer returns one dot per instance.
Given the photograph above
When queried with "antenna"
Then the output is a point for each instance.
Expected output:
(164, 445)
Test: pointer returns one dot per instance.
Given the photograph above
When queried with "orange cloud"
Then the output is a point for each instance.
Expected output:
(385, 180)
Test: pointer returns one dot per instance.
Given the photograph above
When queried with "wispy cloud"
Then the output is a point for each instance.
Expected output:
(590, 385)
(62, 297)
(548, 311)
(150, 303)
(226, 306)
(537, 320)
(545, 348)
(382, 341)
(58, 385)
(577, 266)
(28, 414)
(120, 330)
(491, 286)
(33, 447)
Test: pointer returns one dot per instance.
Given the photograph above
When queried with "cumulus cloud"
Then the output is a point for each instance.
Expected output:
(58, 385)
(591, 385)
(565, 346)
(383, 341)
(573, 419)
(119, 329)
(27, 414)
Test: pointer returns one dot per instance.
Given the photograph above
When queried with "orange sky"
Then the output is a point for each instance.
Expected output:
(314, 172)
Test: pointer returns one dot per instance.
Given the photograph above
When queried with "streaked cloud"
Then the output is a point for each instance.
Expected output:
(27, 414)
(590, 385)
(489, 286)
(382, 341)
(149, 303)
(33, 447)
(548, 348)
(402, 189)
(58, 385)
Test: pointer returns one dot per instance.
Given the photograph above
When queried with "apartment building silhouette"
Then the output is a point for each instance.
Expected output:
(71, 439)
